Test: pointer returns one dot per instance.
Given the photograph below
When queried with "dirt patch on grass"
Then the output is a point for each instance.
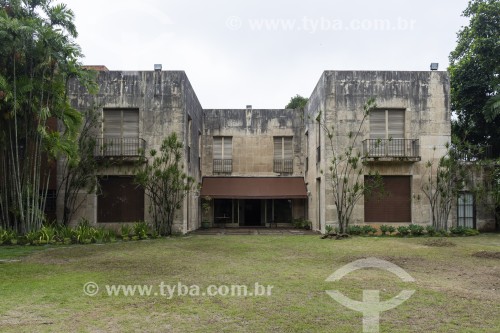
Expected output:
(439, 242)
(487, 254)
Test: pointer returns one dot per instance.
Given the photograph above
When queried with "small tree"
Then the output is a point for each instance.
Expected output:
(442, 183)
(297, 102)
(165, 183)
(346, 169)
(81, 173)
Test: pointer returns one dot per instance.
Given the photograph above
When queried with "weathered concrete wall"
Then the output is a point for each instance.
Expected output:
(165, 99)
(423, 95)
(252, 133)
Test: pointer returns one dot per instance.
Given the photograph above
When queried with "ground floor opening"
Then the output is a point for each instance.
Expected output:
(254, 201)
(256, 212)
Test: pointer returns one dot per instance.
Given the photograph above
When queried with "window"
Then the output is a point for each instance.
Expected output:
(283, 154)
(120, 132)
(387, 127)
(307, 152)
(120, 200)
(318, 142)
(189, 139)
(282, 211)
(466, 210)
(199, 154)
(387, 124)
(223, 154)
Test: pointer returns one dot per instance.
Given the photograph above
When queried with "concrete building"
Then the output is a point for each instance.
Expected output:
(267, 167)
(139, 109)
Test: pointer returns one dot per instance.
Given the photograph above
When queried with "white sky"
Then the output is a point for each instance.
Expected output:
(263, 52)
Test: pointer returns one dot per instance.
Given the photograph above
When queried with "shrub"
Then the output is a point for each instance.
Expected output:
(126, 232)
(442, 233)
(328, 229)
(141, 230)
(431, 231)
(471, 232)
(84, 232)
(8, 237)
(355, 230)
(416, 229)
(403, 230)
(391, 229)
(463, 231)
(384, 229)
(368, 229)
(301, 223)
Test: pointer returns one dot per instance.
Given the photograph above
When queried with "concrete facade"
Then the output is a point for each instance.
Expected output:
(167, 103)
(340, 96)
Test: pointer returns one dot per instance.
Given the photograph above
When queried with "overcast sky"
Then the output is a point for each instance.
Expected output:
(262, 52)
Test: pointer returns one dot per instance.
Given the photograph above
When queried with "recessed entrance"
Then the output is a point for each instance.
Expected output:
(252, 213)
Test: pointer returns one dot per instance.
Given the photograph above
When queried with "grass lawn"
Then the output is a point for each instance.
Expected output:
(457, 286)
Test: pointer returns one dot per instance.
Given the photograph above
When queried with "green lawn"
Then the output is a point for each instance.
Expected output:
(41, 288)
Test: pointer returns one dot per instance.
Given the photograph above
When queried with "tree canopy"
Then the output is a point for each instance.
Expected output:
(475, 76)
(297, 102)
(38, 56)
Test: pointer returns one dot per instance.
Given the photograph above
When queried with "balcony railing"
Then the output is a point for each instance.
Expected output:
(119, 147)
(283, 165)
(473, 153)
(393, 149)
(223, 165)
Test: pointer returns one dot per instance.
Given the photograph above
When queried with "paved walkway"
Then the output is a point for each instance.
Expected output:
(253, 231)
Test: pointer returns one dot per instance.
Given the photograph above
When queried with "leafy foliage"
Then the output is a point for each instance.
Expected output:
(475, 75)
(416, 229)
(165, 183)
(384, 229)
(301, 223)
(442, 183)
(38, 57)
(80, 174)
(403, 230)
(296, 102)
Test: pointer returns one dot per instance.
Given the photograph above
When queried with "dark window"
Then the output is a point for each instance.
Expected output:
(392, 203)
(223, 210)
(120, 200)
(465, 212)
(50, 204)
(282, 211)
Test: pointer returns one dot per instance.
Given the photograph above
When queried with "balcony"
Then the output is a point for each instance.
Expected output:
(224, 166)
(391, 150)
(283, 165)
(473, 153)
(119, 147)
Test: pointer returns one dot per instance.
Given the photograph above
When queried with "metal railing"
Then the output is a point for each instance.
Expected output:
(223, 165)
(283, 165)
(395, 148)
(473, 153)
(113, 147)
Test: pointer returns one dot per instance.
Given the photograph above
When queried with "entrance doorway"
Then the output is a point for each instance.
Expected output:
(252, 213)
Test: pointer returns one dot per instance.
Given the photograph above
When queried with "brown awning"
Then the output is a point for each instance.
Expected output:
(254, 187)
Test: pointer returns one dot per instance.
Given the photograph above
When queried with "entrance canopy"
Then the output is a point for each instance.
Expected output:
(254, 187)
